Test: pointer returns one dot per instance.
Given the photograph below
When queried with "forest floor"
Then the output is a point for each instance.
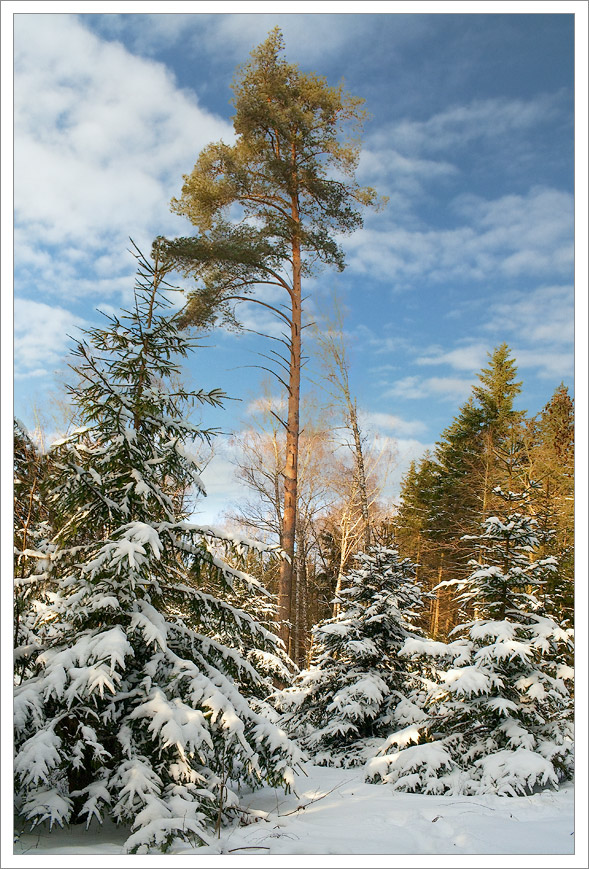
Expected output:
(333, 811)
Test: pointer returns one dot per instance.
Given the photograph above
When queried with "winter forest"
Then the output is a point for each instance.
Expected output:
(170, 676)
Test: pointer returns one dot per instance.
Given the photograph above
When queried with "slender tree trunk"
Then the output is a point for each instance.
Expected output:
(435, 621)
(303, 616)
(360, 470)
(300, 621)
(157, 279)
(292, 444)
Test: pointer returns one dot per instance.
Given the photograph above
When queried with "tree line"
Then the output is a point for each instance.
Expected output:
(445, 496)
(489, 447)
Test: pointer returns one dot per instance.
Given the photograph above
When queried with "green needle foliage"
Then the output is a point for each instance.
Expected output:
(288, 181)
(501, 710)
(140, 702)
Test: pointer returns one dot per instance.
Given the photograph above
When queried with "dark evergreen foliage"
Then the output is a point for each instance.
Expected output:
(500, 712)
(142, 703)
(356, 686)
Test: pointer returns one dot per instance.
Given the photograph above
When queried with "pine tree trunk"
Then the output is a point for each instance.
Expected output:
(292, 447)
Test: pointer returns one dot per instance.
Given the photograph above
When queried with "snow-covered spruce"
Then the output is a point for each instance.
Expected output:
(500, 719)
(142, 706)
(356, 687)
(32, 546)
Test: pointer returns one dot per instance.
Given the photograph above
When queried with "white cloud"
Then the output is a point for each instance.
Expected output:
(401, 178)
(101, 141)
(41, 336)
(511, 237)
(462, 125)
(404, 450)
(378, 344)
(147, 33)
(309, 37)
(391, 422)
(468, 358)
(266, 404)
(543, 317)
(408, 450)
(549, 364)
(222, 486)
(538, 325)
(414, 387)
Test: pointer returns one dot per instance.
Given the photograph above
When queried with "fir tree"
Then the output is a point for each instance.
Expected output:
(500, 717)
(356, 687)
(142, 706)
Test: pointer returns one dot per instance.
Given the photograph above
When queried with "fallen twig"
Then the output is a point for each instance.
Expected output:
(316, 800)
(249, 848)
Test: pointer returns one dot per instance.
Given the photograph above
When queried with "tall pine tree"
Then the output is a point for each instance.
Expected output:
(291, 178)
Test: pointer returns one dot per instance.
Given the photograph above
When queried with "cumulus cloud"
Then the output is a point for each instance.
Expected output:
(391, 423)
(468, 358)
(41, 336)
(445, 388)
(101, 141)
(461, 126)
(515, 236)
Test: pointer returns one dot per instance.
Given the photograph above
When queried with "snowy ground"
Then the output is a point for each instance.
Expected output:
(335, 812)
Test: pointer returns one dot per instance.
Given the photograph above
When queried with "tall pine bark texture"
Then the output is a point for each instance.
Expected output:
(287, 207)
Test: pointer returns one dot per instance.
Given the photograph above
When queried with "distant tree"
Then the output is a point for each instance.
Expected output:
(500, 718)
(335, 377)
(356, 685)
(415, 532)
(143, 703)
(550, 449)
(481, 449)
(289, 179)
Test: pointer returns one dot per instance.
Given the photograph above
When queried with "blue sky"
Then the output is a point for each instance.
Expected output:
(471, 138)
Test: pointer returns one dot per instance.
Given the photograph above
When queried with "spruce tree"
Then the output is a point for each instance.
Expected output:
(481, 449)
(500, 717)
(355, 689)
(142, 706)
